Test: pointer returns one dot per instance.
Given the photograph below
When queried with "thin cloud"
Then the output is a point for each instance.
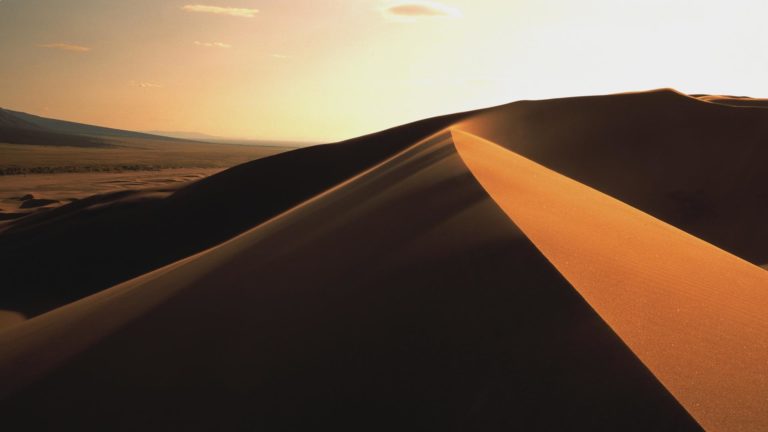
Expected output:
(213, 44)
(413, 10)
(237, 12)
(66, 47)
(145, 84)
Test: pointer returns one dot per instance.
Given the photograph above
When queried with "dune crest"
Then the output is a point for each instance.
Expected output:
(693, 313)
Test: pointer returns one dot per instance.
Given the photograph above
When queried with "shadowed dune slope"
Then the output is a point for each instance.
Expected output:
(699, 166)
(694, 314)
(403, 298)
(88, 246)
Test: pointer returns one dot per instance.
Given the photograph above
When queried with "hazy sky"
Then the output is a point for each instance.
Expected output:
(332, 69)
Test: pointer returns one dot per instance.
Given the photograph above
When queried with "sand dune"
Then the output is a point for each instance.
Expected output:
(694, 314)
(375, 284)
(375, 305)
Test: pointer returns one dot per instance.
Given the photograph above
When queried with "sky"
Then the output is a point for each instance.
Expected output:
(326, 70)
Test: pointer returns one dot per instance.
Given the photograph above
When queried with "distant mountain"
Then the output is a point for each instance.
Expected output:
(15, 129)
(11, 135)
(22, 128)
(63, 126)
(8, 119)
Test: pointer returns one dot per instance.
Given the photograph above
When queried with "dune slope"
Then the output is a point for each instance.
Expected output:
(691, 312)
(90, 245)
(403, 298)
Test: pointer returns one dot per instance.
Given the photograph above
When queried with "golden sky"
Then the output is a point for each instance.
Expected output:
(332, 69)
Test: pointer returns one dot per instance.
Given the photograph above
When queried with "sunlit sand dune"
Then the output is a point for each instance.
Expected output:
(403, 298)
(694, 314)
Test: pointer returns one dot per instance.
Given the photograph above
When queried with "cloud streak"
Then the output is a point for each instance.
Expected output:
(413, 10)
(145, 84)
(66, 47)
(213, 44)
(217, 10)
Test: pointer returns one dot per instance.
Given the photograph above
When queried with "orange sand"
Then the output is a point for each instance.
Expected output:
(694, 314)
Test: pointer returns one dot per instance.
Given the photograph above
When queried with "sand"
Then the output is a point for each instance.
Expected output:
(9, 318)
(694, 314)
(66, 188)
(696, 165)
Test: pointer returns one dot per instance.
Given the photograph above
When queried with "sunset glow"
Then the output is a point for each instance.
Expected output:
(334, 69)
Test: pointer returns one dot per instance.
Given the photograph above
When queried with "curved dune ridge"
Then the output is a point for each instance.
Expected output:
(395, 282)
(694, 314)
